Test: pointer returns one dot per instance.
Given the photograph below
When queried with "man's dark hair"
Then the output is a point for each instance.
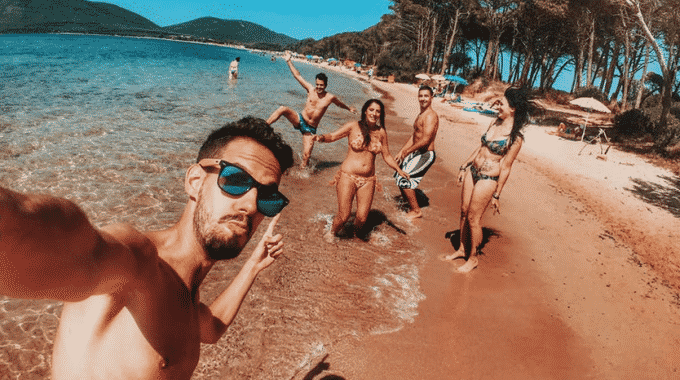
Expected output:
(251, 127)
(238, 59)
(428, 88)
(323, 77)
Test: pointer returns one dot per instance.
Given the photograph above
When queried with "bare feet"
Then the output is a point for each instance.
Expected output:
(469, 265)
(414, 214)
(329, 237)
(459, 254)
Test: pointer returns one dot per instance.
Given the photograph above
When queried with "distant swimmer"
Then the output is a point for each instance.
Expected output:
(417, 155)
(233, 68)
(132, 308)
(356, 178)
(489, 168)
(318, 101)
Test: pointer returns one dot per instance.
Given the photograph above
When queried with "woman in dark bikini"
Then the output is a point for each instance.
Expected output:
(356, 177)
(489, 167)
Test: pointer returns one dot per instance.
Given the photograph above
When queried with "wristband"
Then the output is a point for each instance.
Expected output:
(496, 196)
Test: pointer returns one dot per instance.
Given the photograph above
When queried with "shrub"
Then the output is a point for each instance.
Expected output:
(591, 92)
(632, 123)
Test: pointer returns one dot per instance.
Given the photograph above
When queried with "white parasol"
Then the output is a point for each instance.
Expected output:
(423, 76)
(590, 104)
(438, 77)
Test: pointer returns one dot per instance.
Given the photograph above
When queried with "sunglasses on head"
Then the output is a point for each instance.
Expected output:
(235, 181)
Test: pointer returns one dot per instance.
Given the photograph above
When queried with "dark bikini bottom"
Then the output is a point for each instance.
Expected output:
(476, 175)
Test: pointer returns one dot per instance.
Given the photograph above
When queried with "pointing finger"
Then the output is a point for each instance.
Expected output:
(272, 224)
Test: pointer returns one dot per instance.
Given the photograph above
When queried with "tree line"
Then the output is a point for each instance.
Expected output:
(605, 43)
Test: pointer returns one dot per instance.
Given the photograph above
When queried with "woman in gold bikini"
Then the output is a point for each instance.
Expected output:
(366, 137)
(489, 167)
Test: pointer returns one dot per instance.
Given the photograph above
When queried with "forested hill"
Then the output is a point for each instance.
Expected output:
(233, 30)
(81, 16)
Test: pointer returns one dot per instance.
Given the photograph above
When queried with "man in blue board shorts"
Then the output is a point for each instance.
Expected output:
(318, 101)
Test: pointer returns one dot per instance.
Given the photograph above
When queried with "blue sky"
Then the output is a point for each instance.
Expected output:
(298, 19)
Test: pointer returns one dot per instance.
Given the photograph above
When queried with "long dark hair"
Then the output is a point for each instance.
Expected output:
(362, 122)
(518, 99)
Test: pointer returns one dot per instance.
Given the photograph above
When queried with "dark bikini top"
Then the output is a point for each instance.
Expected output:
(499, 147)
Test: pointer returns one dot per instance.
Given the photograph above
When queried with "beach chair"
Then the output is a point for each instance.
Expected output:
(601, 139)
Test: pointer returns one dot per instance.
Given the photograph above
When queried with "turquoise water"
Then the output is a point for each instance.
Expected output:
(81, 112)
(113, 123)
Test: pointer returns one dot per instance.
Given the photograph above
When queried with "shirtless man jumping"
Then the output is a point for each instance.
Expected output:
(318, 101)
(132, 308)
(417, 155)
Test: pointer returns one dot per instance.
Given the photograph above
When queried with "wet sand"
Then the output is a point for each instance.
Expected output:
(558, 294)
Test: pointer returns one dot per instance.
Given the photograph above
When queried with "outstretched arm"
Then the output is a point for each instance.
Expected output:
(342, 105)
(389, 160)
(48, 249)
(216, 318)
(335, 135)
(296, 74)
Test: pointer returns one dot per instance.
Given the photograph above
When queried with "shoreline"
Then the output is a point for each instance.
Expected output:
(573, 266)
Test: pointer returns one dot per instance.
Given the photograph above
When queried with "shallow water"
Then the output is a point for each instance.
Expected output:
(113, 123)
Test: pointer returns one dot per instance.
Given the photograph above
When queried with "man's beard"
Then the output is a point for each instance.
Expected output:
(217, 248)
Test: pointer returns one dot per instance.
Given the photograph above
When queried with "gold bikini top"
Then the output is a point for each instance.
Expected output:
(374, 146)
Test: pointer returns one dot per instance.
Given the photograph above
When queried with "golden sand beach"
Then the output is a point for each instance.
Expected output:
(579, 277)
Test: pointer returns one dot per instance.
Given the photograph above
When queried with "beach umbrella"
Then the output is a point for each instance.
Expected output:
(357, 64)
(438, 77)
(456, 79)
(423, 76)
(589, 104)
(309, 57)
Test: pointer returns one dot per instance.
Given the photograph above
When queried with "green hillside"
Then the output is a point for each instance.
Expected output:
(81, 16)
(230, 30)
(49, 16)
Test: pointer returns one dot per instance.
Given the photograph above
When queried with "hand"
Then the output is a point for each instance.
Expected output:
(319, 138)
(461, 177)
(404, 174)
(269, 247)
(287, 56)
(495, 203)
(353, 110)
(399, 158)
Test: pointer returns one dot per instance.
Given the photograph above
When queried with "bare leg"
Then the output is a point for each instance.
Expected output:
(345, 190)
(466, 197)
(364, 202)
(410, 196)
(481, 196)
(291, 115)
(307, 146)
(294, 119)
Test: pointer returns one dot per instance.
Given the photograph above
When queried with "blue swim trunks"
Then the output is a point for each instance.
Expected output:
(303, 127)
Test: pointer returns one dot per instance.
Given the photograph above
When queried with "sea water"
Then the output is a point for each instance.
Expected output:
(112, 124)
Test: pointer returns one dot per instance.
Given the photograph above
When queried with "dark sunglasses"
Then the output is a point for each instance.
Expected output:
(236, 181)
